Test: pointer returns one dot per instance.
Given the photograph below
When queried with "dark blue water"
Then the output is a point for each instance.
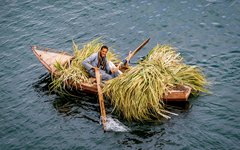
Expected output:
(206, 32)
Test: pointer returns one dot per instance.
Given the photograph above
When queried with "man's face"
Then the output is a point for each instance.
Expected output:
(104, 52)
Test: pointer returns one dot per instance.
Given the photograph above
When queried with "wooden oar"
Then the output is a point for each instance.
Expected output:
(137, 49)
(98, 78)
(100, 98)
(131, 54)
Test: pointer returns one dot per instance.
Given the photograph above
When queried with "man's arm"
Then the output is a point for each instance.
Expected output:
(113, 68)
(87, 62)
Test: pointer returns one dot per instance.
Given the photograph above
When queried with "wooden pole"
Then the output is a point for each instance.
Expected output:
(134, 52)
(137, 49)
(100, 98)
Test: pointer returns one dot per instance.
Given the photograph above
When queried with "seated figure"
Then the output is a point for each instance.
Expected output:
(100, 61)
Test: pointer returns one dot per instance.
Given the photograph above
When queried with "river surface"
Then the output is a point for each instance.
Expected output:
(206, 33)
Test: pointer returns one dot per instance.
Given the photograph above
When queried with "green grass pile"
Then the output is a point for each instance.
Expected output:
(138, 93)
(74, 72)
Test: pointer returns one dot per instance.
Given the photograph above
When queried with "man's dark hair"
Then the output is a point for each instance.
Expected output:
(104, 46)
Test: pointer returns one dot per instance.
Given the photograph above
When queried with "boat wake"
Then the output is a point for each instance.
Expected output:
(115, 125)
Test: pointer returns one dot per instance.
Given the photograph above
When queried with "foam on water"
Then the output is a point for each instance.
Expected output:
(112, 124)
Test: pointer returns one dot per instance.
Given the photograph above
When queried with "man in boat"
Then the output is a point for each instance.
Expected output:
(99, 60)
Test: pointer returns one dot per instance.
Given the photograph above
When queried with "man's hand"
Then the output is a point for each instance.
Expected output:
(129, 56)
(113, 70)
(95, 68)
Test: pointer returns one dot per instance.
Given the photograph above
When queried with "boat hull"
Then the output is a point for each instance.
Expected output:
(48, 58)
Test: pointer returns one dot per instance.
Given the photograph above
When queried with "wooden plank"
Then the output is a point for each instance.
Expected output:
(100, 98)
(178, 94)
(48, 59)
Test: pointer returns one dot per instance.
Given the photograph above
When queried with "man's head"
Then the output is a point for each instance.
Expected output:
(103, 51)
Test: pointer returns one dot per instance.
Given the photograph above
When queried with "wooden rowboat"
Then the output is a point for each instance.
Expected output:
(48, 58)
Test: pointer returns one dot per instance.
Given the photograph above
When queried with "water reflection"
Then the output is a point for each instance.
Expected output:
(86, 106)
(41, 85)
(80, 106)
(145, 134)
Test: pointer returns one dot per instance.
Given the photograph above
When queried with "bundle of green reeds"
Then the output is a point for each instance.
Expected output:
(74, 72)
(182, 73)
(137, 94)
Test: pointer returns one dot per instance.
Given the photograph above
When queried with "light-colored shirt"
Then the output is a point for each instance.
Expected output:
(92, 61)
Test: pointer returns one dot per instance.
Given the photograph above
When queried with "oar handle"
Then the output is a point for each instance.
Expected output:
(137, 49)
(131, 54)
(100, 98)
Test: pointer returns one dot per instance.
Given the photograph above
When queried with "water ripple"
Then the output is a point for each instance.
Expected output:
(205, 32)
